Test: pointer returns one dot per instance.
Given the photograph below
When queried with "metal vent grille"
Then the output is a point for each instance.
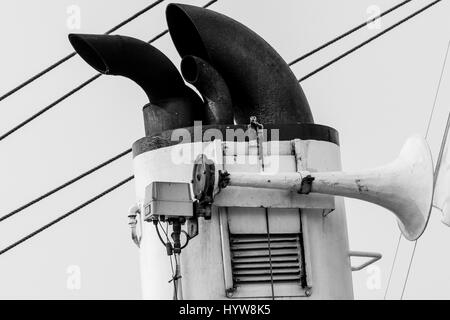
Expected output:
(254, 262)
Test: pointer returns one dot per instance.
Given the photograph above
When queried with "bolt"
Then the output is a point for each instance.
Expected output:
(229, 292)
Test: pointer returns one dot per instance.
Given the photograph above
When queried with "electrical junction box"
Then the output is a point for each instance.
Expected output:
(168, 199)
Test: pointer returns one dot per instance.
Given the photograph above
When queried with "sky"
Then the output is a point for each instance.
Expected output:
(375, 98)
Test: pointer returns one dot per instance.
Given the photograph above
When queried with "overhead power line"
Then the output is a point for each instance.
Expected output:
(441, 151)
(438, 89)
(71, 55)
(65, 184)
(74, 90)
(392, 266)
(349, 32)
(50, 106)
(67, 214)
(409, 269)
(326, 65)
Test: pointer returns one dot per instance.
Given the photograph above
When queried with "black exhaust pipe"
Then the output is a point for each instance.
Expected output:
(172, 103)
(260, 81)
(218, 108)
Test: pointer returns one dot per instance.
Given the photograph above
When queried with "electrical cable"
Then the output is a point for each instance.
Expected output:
(159, 235)
(392, 266)
(175, 289)
(48, 107)
(65, 184)
(349, 32)
(67, 214)
(326, 65)
(162, 240)
(71, 55)
(438, 89)
(176, 277)
(440, 155)
(187, 240)
(409, 269)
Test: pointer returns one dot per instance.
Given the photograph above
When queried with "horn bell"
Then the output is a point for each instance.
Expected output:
(413, 216)
(405, 186)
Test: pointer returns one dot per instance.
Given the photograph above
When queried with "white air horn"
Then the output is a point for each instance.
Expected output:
(405, 186)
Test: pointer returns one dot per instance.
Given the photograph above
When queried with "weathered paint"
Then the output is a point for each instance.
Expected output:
(205, 271)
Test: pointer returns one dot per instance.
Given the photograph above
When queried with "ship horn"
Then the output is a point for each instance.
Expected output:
(218, 108)
(172, 103)
(404, 186)
(260, 82)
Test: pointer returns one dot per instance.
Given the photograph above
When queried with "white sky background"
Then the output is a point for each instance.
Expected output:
(375, 98)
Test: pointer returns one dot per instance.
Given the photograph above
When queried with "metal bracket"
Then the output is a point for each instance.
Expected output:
(259, 128)
(134, 211)
(306, 185)
(224, 179)
(203, 179)
(192, 227)
(374, 255)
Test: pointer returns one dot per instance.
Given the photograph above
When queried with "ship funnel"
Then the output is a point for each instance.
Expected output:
(260, 82)
(172, 103)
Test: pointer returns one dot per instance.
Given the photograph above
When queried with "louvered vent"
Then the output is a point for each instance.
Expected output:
(251, 260)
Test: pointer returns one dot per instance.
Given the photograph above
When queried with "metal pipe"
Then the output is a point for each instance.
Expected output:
(260, 82)
(218, 108)
(375, 256)
(172, 103)
(132, 222)
(285, 181)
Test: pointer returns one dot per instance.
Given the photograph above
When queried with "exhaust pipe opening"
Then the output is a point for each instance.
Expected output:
(217, 106)
(134, 59)
(88, 53)
(189, 69)
(260, 82)
(181, 25)
(172, 104)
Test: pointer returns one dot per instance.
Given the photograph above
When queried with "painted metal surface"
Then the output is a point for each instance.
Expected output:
(261, 84)
(374, 257)
(206, 270)
(168, 199)
(405, 186)
(172, 103)
(229, 133)
(218, 107)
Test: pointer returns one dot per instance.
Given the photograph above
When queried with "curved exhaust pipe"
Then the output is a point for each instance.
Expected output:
(172, 103)
(260, 82)
(218, 108)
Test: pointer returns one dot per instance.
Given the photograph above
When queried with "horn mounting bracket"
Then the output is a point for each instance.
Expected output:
(203, 186)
